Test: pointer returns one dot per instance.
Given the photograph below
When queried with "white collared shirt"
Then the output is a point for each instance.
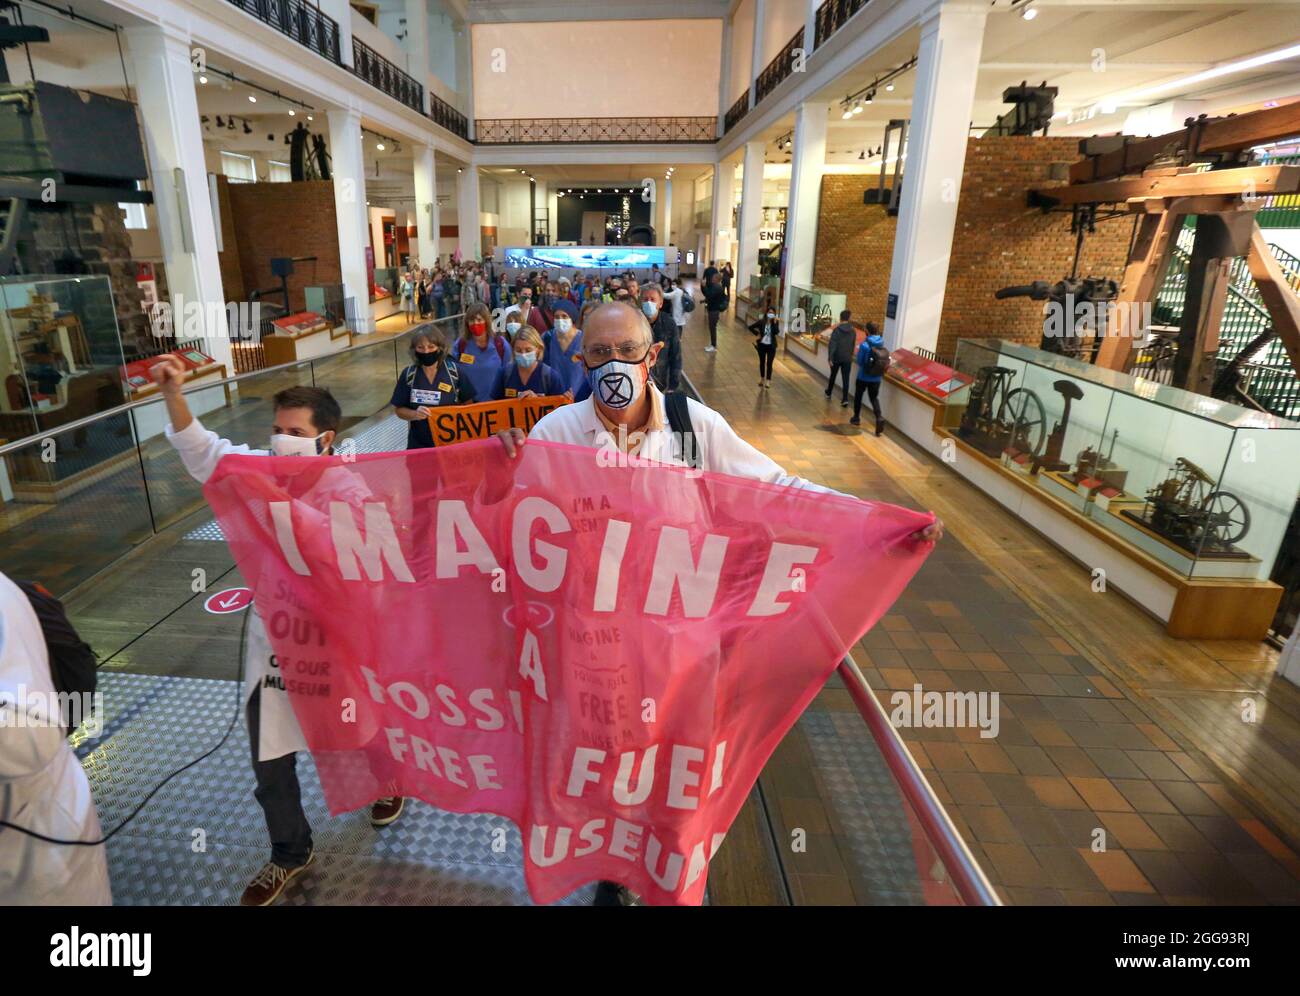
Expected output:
(722, 450)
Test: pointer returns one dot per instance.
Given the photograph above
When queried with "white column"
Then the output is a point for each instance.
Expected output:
(348, 164)
(805, 197)
(810, 27)
(751, 213)
(724, 80)
(169, 112)
(947, 65)
(417, 45)
(341, 12)
(756, 63)
(426, 205)
(465, 74)
(470, 238)
(724, 195)
(666, 229)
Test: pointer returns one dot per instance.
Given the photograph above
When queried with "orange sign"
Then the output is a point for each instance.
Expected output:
(457, 423)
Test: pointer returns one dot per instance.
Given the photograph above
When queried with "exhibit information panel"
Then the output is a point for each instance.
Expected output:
(585, 257)
(1205, 487)
(927, 376)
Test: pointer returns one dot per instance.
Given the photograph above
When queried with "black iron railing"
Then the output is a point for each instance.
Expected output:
(300, 21)
(383, 75)
(780, 67)
(442, 113)
(833, 15)
(737, 111)
(544, 131)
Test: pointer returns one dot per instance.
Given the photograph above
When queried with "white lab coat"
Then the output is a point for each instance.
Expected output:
(278, 730)
(723, 451)
(42, 785)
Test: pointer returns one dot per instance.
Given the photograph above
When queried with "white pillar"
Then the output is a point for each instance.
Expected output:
(348, 165)
(341, 12)
(724, 195)
(947, 65)
(666, 229)
(426, 205)
(724, 80)
(417, 45)
(470, 240)
(805, 197)
(756, 63)
(465, 75)
(751, 213)
(810, 27)
(169, 112)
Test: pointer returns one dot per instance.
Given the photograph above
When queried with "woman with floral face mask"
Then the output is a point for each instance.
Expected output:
(563, 351)
(481, 351)
(527, 376)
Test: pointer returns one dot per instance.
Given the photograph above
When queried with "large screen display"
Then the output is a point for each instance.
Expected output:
(585, 257)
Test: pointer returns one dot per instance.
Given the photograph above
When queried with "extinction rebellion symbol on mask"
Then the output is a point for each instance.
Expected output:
(617, 389)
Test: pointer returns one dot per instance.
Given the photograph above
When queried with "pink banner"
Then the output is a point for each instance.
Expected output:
(605, 655)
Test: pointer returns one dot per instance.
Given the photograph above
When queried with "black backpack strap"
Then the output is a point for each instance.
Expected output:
(679, 420)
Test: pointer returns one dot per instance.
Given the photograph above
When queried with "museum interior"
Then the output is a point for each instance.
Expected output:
(1074, 223)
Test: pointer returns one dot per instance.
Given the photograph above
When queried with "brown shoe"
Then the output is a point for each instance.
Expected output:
(384, 811)
(268, 883)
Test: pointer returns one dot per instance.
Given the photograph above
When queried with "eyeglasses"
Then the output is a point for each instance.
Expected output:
(631, 352)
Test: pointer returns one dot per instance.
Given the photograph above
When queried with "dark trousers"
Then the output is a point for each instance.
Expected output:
(836, 370)
(872, 387)
(713, 327)
(766, 356)
(668, 367)
(280, 796)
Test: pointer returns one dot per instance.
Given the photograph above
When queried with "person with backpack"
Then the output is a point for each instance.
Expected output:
(480, 351)
(43, 788)
(873, 361)
(840, 355)
(433, 380)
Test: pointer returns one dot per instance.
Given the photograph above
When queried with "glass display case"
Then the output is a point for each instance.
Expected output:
(60, 353)
(1203, 486)
(762, 293)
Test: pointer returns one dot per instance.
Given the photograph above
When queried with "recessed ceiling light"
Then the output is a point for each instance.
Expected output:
(292, 112)
(1029, 13)
(203, 79)
(252, 99)
(309, 117)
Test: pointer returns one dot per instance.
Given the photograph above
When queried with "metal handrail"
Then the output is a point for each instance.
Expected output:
(967, 877)
(25, 441)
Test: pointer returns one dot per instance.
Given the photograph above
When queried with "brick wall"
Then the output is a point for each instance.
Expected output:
(998, 241)
(285, 219)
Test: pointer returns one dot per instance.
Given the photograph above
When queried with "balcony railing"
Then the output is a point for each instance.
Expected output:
(442, 113)
(737, 111)
(303, 23)
(383, 75)
(779, 68)
(833, 15)
(593, 131)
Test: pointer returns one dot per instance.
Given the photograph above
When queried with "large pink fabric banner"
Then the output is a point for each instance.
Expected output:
(605, 655)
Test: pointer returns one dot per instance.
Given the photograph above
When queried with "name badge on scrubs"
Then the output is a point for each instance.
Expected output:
(466, 358)
(419, 396)
(511, 392)
(444, 387)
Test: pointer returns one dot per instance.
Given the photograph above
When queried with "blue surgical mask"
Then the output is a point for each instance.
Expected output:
(525, 360)
(649, 308)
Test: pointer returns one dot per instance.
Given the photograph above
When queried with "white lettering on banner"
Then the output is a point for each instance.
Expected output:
(282, 519)
(624, 841)
(416, 703)
(380, 543)
(551, 576)
(781, 559)
(530, 664)
(588, 765)
(441, 762)
(611, 562)
(674, 565)
(454, 525)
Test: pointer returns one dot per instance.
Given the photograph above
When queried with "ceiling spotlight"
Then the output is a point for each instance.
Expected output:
(220, 122)
(379, 146)
(1028, 13)
(889, 87)
(252, 99)
(848, 113)
(247, 130)
(292, 112)
(203, 79)
(460, 171)
(309, 117)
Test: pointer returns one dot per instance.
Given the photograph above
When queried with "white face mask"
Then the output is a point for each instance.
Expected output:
(286, 445)
(563, 325)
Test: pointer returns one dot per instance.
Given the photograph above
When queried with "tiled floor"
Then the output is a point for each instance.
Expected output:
(1084, 796)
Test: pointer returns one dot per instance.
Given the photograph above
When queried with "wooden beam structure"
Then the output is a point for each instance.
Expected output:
(1251, 181)
(1282, 302)
(1148, 260)
(1202, 137)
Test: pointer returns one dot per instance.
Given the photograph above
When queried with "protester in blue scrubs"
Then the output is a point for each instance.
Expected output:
(563, 351)
(433, 380)
(527, 375)
(480, 352)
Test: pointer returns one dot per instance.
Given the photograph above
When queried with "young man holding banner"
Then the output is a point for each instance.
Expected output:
(306, 424)
(627, 415)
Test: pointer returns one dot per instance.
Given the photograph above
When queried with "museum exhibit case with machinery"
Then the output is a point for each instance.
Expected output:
(820, 307)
